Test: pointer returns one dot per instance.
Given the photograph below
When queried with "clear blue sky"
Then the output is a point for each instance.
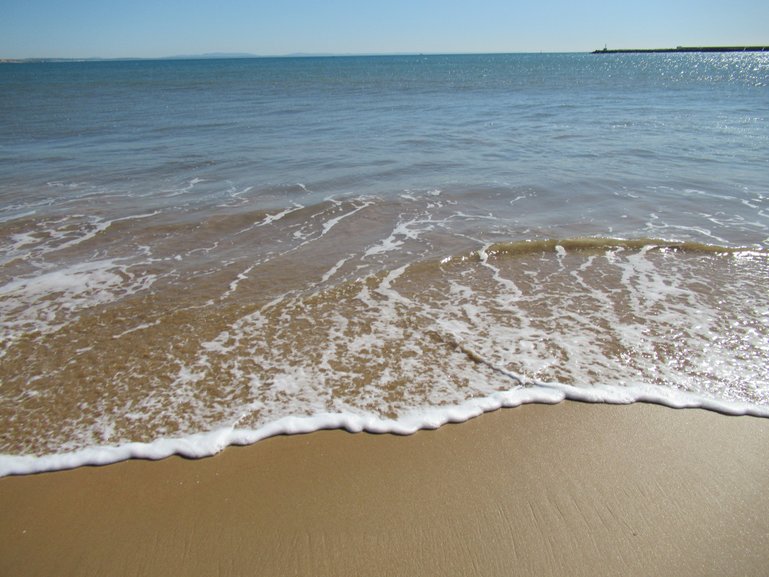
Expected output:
(152, 28)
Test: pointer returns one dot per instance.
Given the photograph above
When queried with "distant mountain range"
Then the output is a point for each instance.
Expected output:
(207, 56)
(204, 56)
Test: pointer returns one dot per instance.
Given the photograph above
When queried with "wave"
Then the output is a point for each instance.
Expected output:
(401, 348)
(207, 444)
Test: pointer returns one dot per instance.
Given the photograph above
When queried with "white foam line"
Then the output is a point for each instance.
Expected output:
(17, 216)
(136, 328)
(99, 227)
(334, 269)
(79, 287)
(331, 223)
(466, 216)
(385, 287)
(273, 217)
(560, 253)
(205, 249)
(209, 443)
(328, 225)
(270, 218)
(234, 284)
(403, 230)
(235, 195)
(136, 216)
(507, 283)
(179, 191)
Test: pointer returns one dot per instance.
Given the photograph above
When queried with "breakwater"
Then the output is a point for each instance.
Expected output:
(683, 49)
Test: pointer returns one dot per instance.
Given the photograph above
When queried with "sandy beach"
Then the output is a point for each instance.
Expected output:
(568, 489)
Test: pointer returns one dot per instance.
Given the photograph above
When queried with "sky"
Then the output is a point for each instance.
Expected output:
(158, 28)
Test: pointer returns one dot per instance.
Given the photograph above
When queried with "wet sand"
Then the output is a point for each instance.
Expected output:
(568, 489)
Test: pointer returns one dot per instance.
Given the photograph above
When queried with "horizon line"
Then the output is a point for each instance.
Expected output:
(249, 55)
(246, 56)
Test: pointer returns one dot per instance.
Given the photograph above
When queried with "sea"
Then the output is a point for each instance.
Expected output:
(200, 253)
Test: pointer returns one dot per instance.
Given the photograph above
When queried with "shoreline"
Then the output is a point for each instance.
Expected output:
(207, 444)
(569, 489)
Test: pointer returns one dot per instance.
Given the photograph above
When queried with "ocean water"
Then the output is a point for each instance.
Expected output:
(200, 253)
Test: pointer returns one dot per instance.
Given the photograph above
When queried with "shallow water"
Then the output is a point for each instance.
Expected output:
(196, 253)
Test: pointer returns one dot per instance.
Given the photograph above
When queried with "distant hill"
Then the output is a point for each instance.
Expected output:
(204, 56)
(209, 56)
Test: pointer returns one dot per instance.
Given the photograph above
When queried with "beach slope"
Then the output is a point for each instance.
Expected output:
(568, 489)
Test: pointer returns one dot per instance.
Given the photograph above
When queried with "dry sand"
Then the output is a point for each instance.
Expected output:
(570, 489)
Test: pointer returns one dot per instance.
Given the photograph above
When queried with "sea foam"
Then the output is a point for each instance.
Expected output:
(207, 444)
